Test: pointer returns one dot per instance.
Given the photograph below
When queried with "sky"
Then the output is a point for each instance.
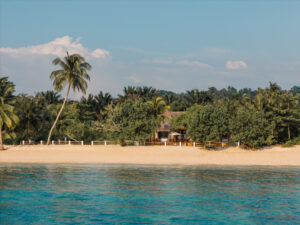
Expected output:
(171, 45)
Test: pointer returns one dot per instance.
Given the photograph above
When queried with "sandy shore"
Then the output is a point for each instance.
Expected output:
(275, 156)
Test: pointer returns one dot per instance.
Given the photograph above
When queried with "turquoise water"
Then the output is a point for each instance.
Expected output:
(119, 194)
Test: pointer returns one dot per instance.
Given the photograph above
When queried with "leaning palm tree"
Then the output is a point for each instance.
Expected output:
(73, 73)
(7, 115)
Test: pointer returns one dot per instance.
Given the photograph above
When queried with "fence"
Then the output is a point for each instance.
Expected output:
(28, 142)
(207, 144)
(104, 143)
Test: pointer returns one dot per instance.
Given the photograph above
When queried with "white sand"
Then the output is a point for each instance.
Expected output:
(275, 156)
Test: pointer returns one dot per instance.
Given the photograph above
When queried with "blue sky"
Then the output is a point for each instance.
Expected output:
(174, 45)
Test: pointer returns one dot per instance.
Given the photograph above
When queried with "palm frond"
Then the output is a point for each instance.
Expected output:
(86, 66)
(59, 82)
(56, 73)
(73, 70)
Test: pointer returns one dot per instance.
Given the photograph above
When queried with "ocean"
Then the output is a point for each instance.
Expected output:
(135, 194)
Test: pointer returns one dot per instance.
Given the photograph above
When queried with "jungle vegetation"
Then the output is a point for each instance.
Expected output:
(255, 118)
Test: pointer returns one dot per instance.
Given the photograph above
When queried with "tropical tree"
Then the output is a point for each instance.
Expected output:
(180, 121)
(159, 106)
(146, 93)
(129, 93)
(102, 101)
(73, 73)
(6, 89)
(288, 113)
(51, 97)
(197, 97)
(7, 115)
(131, 120)
(96, 104)
(207, 123)
(175, 101)
(34, 117)
(295, 90)
(87, 108)
(138, 93)
(251, 128)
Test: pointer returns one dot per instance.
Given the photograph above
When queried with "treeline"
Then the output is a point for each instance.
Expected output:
(254, 117)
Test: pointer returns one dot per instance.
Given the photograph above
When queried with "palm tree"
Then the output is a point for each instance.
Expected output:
(97, 103)
(6, 89)
(32, 113)
(129, 93)
(288, 111)
(73, 72)
(159, 106)
(51, 97)
(146, 93)
(133, 93)
(103, 99)
(197, 97)
(7, 115)
(101, 102)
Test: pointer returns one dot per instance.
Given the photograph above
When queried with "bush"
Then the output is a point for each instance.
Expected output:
(292, 142)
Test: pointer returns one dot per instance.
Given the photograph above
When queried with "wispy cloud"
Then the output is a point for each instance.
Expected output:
(236, 65)
(162, 61)
(193, 63)
(134, 79)
(185, 62)
(58, 47)
(217, 51)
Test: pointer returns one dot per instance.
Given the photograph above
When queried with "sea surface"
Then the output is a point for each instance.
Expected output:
(122, 194)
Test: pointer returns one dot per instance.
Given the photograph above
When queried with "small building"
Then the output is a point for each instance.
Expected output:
(165, 132)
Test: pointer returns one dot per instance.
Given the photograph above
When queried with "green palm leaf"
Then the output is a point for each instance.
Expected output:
(73, 72)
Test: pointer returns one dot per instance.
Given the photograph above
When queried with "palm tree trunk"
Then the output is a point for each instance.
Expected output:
(58, 115)
(1, 143)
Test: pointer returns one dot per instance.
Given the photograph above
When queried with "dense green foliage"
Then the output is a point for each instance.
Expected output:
(251, 128)
(207, 123)
(254, 118)
(8, 119)
(130, 120)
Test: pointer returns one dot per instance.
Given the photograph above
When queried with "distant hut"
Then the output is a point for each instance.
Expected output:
(165, 132)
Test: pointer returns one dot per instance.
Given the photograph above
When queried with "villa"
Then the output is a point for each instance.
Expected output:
(165, 133)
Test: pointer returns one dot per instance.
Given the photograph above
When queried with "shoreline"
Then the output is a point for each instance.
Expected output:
(150, 155)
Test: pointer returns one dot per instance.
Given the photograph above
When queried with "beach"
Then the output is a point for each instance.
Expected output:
(150, 155)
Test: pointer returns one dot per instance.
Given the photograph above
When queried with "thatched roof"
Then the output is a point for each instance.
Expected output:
(166, 124)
